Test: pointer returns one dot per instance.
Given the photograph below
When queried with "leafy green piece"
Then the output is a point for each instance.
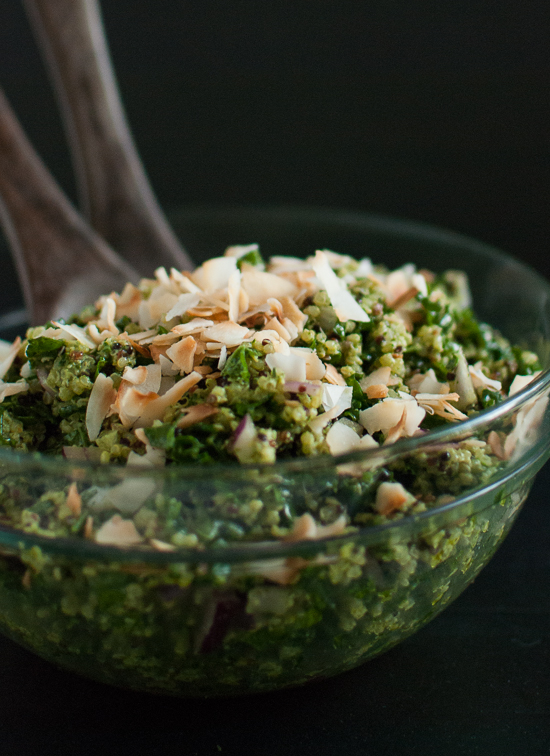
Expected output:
(252, 258)
(236, 368)
(42, 350)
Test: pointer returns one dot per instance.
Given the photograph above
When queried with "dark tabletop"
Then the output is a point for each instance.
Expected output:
(428, 110)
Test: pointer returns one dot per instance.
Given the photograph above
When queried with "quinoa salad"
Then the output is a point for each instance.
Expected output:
(249, 362)
(249, 369)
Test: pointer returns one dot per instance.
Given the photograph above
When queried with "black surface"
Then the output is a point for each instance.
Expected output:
(427, 110)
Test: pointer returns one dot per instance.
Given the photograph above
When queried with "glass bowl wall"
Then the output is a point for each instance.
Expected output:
(237, 618)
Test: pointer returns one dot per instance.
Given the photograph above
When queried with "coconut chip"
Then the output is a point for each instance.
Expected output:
(343, 302)
(8, 356)
(196, 414)
(183, 303)
(387, 414)
(9, 389)
(102, 396)
(228, 333)
(380, 376)
(377, 391)
(75, 332)
(306, 529)
(315, 369)
(182, 354)
(333, 376)
(73, 501)
(118, 532)
(390, 497)
(480, 380)
(260, 286)
(438, 404)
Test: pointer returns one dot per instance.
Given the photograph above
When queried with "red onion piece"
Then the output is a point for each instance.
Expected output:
(302, 387)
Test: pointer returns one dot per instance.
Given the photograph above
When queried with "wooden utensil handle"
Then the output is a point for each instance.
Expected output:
(115, 192)
(59, 258)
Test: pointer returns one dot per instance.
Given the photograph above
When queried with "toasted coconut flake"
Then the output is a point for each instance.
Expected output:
(233, 295)
(480, 380)
(144, 378)
(106, 321)
(385, 415)
(403, 298)
(344, 304)
(341, 438)
(214, 274)
(74, 502)
(427, 383)
(342, 404)
(315, 369)
(228, 333)
(143, 335)
(399, 429)
(293, 313)
(196, 414)
(306, 529)
(127, 303)
(223, 357)
(280, 571)
(8, 356)
(293, 366)
(152, 310)
(75, 332)
(333, 376)
(390, 497)
(377, 391)
(118, 532)
(183, 303)
(438, 404)
(127, 497)
(161, 545)
(184, 282)
(462, 384)
(276, 308)
(275, 325)
(9, 389)
(154, 410)
(377, 377)
(194, 326)
(89, 527)
(167, 367)
(182, 354)
(333, 394)
(260, 286)
(520, 382)
(101, 398)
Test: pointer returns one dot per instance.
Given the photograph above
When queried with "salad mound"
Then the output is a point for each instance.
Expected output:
(254, 362)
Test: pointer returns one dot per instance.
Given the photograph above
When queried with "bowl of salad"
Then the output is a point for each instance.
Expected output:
(276, 467)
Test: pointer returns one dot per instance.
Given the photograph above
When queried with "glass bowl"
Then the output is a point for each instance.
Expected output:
(243, 617)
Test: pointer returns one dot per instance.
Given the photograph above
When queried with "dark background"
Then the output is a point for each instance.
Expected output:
(429, 110)
(435, 111)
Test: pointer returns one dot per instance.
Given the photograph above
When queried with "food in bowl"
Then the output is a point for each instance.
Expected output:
(318, 385)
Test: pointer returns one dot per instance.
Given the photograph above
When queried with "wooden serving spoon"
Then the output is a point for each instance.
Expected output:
(115, 193)
(62, 263)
